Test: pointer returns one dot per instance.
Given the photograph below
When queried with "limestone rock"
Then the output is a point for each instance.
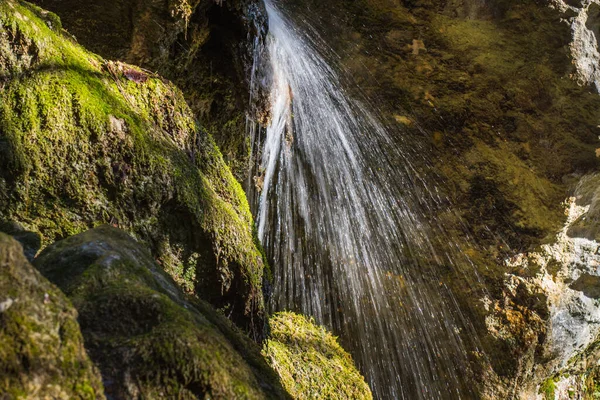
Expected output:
(565, 275)
(584, 18)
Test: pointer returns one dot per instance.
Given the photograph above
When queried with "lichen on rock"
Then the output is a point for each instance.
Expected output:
(311, 362)
(85, 141)
(42, 353)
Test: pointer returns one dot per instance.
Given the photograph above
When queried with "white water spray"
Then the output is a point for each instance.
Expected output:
(341, 216)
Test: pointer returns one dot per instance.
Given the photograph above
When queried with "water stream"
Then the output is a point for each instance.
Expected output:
(344, 217)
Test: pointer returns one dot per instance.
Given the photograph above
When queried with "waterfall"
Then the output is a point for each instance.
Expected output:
(342, 212)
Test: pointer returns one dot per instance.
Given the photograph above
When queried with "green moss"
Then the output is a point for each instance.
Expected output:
(194, 48)
(592, 384)
(85, 141)
(310, 361)
(517, 99)
(41, 346)
(547, 389)
(147, 338)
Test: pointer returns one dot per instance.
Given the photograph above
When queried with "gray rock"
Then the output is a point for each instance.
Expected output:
(584, 18)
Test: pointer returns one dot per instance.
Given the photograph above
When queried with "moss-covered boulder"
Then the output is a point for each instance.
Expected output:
(84, 141)
(204, 46)
(147, 339)
(311, 362)
(41, 347)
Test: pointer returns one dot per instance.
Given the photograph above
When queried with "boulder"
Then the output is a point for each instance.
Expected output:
(147, 338)
(42, 354)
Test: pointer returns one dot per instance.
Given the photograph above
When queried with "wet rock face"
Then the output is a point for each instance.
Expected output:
(146, 338)
(42, 352)
(584, 18)
(485, 88)
(157, 33)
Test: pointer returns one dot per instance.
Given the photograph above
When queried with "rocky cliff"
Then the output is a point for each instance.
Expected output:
(498, 101)
(495, 103)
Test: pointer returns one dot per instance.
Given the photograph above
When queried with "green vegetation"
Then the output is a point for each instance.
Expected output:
(147, 339)
(591, 384)
(41, 347)
(84, 141)
(310, 361)
(547, 389)
(200, 45)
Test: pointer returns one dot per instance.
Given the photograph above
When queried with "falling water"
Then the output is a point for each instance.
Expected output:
(341, 212)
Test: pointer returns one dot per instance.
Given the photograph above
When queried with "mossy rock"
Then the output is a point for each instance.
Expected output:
(42, 355)
(84, 141)
(547, 389)
(311, 362)
(148, 340)
(30, 241)
(204, 46)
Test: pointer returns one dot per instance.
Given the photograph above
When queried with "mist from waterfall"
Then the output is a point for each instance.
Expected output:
(342, 212)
